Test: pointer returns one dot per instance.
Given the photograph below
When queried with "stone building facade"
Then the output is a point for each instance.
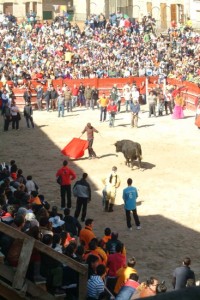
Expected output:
(164, 11)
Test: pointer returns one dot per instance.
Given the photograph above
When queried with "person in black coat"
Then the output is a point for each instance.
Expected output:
(47, 98)
(27, 95)
(54, 96)
(28, 112)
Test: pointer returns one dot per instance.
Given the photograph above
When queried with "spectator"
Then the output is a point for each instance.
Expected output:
(82, 191)
(87, 234)
(130, 195)
(123, 274)
(95, 285)
(67, 175)
(28, 112)
(72, 225)
(183, 274)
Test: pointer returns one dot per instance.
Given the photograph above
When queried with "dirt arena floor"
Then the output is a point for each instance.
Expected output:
(168, 184)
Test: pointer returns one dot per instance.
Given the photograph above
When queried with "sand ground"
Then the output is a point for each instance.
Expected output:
(168, 185)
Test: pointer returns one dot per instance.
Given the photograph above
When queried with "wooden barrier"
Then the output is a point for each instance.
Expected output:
(17, 278)
(191, 93)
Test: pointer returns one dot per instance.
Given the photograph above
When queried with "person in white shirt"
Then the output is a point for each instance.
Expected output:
(15, 116)
(135, 93)
(127, 97)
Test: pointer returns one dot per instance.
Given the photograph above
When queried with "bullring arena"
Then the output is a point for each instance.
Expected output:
(168, 184)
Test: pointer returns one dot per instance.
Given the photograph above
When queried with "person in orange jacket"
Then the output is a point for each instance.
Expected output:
(86, 234)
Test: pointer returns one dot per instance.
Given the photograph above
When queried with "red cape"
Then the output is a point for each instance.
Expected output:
(75, 148)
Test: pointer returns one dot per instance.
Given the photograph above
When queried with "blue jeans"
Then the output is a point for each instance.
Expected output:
(60, 108)
(82, 99)
(125, 293)
(127, 102)
(74, 100)
(111, 120)
(103, 113)
(69, 106)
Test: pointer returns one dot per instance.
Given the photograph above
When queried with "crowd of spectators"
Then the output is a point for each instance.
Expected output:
(118, 47)
(110, 272)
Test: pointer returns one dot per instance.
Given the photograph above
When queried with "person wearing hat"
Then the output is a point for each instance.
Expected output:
(111, 182)
(61, 104)
(89, 129)
(134, 108)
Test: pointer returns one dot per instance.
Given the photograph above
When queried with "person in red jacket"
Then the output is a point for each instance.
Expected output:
(112, 110)
(75, 91)
(66, 175)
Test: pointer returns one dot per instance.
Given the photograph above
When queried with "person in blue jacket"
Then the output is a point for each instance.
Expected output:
(130, 195)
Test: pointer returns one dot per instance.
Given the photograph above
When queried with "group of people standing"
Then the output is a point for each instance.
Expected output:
(82, 191)
(169, 100)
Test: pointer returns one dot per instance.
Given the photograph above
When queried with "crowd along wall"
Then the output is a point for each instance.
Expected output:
(191, 91)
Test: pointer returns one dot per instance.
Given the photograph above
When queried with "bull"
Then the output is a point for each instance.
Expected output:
(132, 151)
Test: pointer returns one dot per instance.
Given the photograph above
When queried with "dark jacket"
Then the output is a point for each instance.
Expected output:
(47, 95)
(27, 96)
(82, 189)
(72, 225)
(6, 111)
(54, 94)
(28, 111)
(39, 93)
(95, 94)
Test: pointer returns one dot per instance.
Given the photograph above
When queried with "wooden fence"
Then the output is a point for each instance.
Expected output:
(19, 286)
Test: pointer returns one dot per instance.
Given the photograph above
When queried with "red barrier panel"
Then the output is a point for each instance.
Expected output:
(105, 84)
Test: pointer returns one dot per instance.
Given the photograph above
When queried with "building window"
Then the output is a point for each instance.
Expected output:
(8, 8)
(27, 8)
(35, 7)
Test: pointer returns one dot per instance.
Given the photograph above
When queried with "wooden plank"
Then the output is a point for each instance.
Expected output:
(7, 292)
(34, 290)
(80, 268)
(23, 263)
(82, 293)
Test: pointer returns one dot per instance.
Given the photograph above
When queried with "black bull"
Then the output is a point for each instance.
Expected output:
(132, 151)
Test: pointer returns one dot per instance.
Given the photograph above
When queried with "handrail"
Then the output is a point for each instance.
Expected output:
(29, 244)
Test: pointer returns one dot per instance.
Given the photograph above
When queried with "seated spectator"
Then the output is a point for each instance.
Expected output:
(124, 273)
(56, 243)
(112, 243)
(106, 237)
(72, 225)
(95, 250)
(51, 269)
(128, 288)
(115, 261)
(87, 234)
(57, 224)
(54, 212)
(45, 226)
(92, 262)
(95, 285)
(31, 185)
(149, 288)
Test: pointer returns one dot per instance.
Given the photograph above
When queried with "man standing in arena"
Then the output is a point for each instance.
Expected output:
(129, 196)
(89, 129)
(66, 175)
